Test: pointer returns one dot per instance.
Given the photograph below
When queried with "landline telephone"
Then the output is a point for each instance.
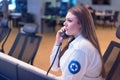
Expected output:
(64, 35)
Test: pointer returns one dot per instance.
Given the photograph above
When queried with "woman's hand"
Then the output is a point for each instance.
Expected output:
(59, 39)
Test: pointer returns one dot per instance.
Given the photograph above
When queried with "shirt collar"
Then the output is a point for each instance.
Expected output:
(77, 39)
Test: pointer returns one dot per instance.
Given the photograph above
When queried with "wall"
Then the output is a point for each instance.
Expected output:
(34, 7)
(113, 6)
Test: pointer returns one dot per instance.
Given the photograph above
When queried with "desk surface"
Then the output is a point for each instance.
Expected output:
(103, 14)
(15, 14)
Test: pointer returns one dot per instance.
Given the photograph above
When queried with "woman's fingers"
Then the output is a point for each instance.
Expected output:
(62, 29)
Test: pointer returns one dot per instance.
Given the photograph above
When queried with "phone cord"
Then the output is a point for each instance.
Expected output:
(54, 59)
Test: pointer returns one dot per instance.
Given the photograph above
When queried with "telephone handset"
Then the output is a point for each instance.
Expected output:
(64, 35)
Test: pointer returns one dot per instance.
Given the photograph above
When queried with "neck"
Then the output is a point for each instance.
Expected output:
(77, 34)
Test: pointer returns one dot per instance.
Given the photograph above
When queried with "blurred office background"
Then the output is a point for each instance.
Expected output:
(40, 11)
(49, 15)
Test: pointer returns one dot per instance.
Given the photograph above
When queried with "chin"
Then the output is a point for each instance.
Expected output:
(68, 33)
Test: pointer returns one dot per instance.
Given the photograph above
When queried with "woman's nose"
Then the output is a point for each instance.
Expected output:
(64, 23)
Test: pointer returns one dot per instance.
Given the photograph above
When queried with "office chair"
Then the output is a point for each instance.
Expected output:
(110, 55)
(118, 32)
(26, 18)
(4, 33)
(114, 73)
(114, 19)
(26, 44)
(111, 59)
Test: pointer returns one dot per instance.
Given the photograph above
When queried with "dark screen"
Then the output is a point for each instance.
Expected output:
(101, 2)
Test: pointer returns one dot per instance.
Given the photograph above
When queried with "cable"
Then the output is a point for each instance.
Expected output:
(54, 59)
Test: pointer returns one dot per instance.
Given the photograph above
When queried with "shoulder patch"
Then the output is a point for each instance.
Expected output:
(74, 67)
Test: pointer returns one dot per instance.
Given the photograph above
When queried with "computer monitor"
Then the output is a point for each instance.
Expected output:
(25, 73)
(8, 69)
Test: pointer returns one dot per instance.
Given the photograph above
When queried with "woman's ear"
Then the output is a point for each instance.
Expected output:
(80, 26)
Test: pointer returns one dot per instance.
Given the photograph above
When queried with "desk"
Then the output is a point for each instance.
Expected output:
(49, 21)
(104, 17)
(16, 14)
(60, 21)
(103, 14)
(15, 17)
(55, 20)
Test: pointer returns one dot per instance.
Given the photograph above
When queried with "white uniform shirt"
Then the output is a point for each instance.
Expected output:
(81, 61)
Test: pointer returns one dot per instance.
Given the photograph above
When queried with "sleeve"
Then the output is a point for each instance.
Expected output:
(52, 56)
(76, 67)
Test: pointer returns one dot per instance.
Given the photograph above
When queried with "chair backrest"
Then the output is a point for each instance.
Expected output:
(108, 11)
(115, 16)
(4, 29)
(27, 18)
(114, 73)
(118, 32)
(4, 32)
(25, 46)
(110, 55)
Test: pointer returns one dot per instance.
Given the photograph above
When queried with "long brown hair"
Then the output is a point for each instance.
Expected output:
(88, 29)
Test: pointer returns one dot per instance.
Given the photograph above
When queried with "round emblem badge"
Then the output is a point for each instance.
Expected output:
(74, 67)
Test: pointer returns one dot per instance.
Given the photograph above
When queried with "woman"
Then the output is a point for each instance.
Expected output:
(82, 59)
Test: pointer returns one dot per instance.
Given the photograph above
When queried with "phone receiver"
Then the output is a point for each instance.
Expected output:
(64, 35)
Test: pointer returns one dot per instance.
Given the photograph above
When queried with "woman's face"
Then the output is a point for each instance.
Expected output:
(71, 24)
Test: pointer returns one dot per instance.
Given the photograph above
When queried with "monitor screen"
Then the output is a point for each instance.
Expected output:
(11, 5)
(101, 2)
(64, 0)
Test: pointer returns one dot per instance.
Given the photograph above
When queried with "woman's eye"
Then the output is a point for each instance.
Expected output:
(69, 20)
